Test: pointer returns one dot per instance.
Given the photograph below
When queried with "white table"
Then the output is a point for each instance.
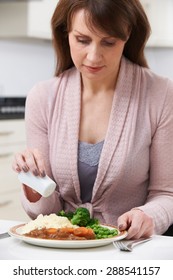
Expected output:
(159, 248)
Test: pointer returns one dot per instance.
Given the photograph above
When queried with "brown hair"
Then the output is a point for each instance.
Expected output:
(111, 16)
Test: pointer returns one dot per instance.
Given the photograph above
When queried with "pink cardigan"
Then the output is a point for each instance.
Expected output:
(136, 163)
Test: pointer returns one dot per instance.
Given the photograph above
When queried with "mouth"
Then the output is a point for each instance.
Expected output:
(94, 69)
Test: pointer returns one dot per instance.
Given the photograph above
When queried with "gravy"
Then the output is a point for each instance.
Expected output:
(80, 233)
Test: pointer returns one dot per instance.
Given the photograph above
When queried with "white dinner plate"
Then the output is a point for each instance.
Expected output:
(16, 232)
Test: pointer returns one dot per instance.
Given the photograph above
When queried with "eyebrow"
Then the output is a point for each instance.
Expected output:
(103, 38)
(81, 33)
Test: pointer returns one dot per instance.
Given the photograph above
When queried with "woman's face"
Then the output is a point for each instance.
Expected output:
(95, 55)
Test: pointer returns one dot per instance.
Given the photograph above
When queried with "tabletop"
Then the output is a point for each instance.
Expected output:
(158, 248)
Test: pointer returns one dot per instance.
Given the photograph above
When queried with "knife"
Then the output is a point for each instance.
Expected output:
(4, 235)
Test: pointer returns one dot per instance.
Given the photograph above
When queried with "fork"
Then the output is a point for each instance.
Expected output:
(4, 235)
(127, 245)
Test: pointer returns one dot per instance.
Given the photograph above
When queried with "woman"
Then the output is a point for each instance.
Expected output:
(102, 128)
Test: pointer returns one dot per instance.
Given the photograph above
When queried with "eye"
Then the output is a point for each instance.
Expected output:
(108, 43)
(82, 40)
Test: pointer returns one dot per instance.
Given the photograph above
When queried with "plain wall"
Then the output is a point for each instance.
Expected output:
(23, 63)
(160, 60)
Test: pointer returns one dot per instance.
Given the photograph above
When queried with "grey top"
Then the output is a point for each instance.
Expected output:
(88, 159)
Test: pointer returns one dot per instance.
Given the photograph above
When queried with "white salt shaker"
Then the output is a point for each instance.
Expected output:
(43, 185)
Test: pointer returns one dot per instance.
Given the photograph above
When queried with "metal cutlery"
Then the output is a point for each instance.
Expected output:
(127, 245)
(4, 235)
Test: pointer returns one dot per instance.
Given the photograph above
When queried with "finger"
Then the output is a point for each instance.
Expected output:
(143, 231)
(136, 226)
(141, 226)
(31, 162)
(16, 167)
(35, 162)
(39, 162)
(135, 232)
(123, 222)
(19, 163)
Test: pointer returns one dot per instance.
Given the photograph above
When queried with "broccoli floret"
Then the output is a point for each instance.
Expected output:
(68, 215)
(81, 217)
(92, 222)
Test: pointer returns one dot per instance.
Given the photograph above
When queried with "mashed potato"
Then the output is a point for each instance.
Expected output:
(47, 221)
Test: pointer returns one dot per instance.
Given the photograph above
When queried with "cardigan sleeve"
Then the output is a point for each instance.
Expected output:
(37, 136)
(159, 202)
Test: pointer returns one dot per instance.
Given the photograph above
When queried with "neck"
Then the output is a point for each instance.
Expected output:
(95, 87)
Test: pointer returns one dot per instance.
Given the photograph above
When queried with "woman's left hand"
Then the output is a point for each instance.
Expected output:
(137, 223)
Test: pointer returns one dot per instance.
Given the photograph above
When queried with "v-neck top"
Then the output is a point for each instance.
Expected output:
(88, 159)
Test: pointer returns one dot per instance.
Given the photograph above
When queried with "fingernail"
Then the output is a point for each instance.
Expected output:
(120, 226)
(35, 172)
(18, 169)
(25, 169)
(43, 174)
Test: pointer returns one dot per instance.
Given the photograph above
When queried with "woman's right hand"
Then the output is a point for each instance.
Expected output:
(29, 160)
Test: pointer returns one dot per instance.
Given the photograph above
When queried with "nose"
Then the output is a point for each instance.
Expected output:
(94, 54)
